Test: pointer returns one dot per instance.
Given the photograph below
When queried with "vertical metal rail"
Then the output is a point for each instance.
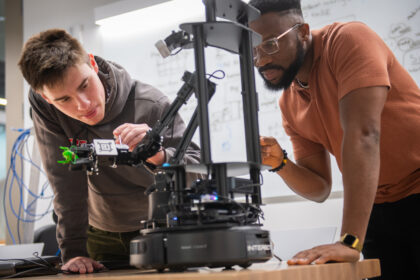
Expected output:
(220, 173)
(202, 94)
(210, 10)
(250, 108)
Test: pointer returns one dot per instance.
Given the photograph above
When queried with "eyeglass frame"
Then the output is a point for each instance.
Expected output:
(276, 40)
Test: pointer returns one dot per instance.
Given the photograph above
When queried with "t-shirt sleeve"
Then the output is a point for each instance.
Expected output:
(358, 57)
(302, 147)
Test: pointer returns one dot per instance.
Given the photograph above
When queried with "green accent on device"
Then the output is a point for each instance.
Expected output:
(68, 154)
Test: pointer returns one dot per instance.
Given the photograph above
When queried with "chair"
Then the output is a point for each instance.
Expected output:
(47, 235)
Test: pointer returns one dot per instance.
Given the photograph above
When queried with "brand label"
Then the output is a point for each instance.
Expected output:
(258, 247)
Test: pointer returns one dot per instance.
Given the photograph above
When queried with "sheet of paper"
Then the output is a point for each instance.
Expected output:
(289, 242)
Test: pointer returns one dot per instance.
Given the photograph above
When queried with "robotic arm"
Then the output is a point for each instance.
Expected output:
(105, 152)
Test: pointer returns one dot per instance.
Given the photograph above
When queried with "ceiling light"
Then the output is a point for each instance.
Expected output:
(3, 101)
(135, 16)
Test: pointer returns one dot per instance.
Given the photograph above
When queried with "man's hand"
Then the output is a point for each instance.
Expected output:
(82, 265)
(336, 252)
(132, 134)
(271, 152)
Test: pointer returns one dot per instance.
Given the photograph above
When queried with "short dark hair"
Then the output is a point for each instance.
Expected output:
(266, 6)
(46, 57)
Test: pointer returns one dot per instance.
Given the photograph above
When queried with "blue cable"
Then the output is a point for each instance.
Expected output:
(39, 169)
(20, 184)
(4, 208)
(17, 147)
(18, 151)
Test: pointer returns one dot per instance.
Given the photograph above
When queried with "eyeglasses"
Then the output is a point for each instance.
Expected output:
(271, 46)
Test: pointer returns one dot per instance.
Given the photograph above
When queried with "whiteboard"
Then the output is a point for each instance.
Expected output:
(397, 22)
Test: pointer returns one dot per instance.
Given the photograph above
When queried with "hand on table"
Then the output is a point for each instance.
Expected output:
(82, 265)
(336, 252)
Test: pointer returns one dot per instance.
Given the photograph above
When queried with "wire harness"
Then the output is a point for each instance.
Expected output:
(24, 212)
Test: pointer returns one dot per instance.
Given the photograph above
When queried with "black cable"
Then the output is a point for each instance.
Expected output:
(277, 257)
(212, 75)
(47, 267)
(36, 255)
(22, 273)
(245, 211)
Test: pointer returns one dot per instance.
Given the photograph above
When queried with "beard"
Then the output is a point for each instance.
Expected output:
(289, 73)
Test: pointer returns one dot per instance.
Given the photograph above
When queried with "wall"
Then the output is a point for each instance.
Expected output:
(3, 170)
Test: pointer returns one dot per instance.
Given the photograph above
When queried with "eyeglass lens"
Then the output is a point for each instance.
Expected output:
(271, 46)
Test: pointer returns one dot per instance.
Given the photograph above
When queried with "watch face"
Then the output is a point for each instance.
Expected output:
(349, 239)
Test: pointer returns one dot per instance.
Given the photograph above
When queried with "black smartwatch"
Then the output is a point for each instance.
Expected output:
(351, 241)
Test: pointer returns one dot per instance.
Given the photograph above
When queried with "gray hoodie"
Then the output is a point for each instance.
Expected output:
(114, 200)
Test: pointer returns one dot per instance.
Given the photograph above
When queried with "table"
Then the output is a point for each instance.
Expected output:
(265, 271)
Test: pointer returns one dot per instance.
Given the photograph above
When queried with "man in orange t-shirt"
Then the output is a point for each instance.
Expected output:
(346, 95)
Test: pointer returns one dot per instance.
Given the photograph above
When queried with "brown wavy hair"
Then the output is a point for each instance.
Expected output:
(47, 55)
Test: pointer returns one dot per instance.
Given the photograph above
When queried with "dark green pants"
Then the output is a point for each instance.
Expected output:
(104, 245)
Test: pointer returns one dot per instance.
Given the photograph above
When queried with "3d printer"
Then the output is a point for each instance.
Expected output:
(201, 224)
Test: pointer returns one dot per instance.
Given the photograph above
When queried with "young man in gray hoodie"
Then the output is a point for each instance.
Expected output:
(76, 98)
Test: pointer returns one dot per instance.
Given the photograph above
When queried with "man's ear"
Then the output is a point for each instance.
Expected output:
(305, 32)
(45, 97)
(93, 63)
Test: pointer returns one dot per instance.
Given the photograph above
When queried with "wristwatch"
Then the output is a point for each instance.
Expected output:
(351, 241)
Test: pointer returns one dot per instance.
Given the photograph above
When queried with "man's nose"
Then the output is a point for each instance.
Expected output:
(261, 58)
(83, 102)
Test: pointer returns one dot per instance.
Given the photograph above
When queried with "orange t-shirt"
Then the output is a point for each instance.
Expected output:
(348, 56)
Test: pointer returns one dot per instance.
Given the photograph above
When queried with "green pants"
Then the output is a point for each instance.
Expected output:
(104, 245)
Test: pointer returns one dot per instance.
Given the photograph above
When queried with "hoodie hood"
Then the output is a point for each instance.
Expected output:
(118, 85)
